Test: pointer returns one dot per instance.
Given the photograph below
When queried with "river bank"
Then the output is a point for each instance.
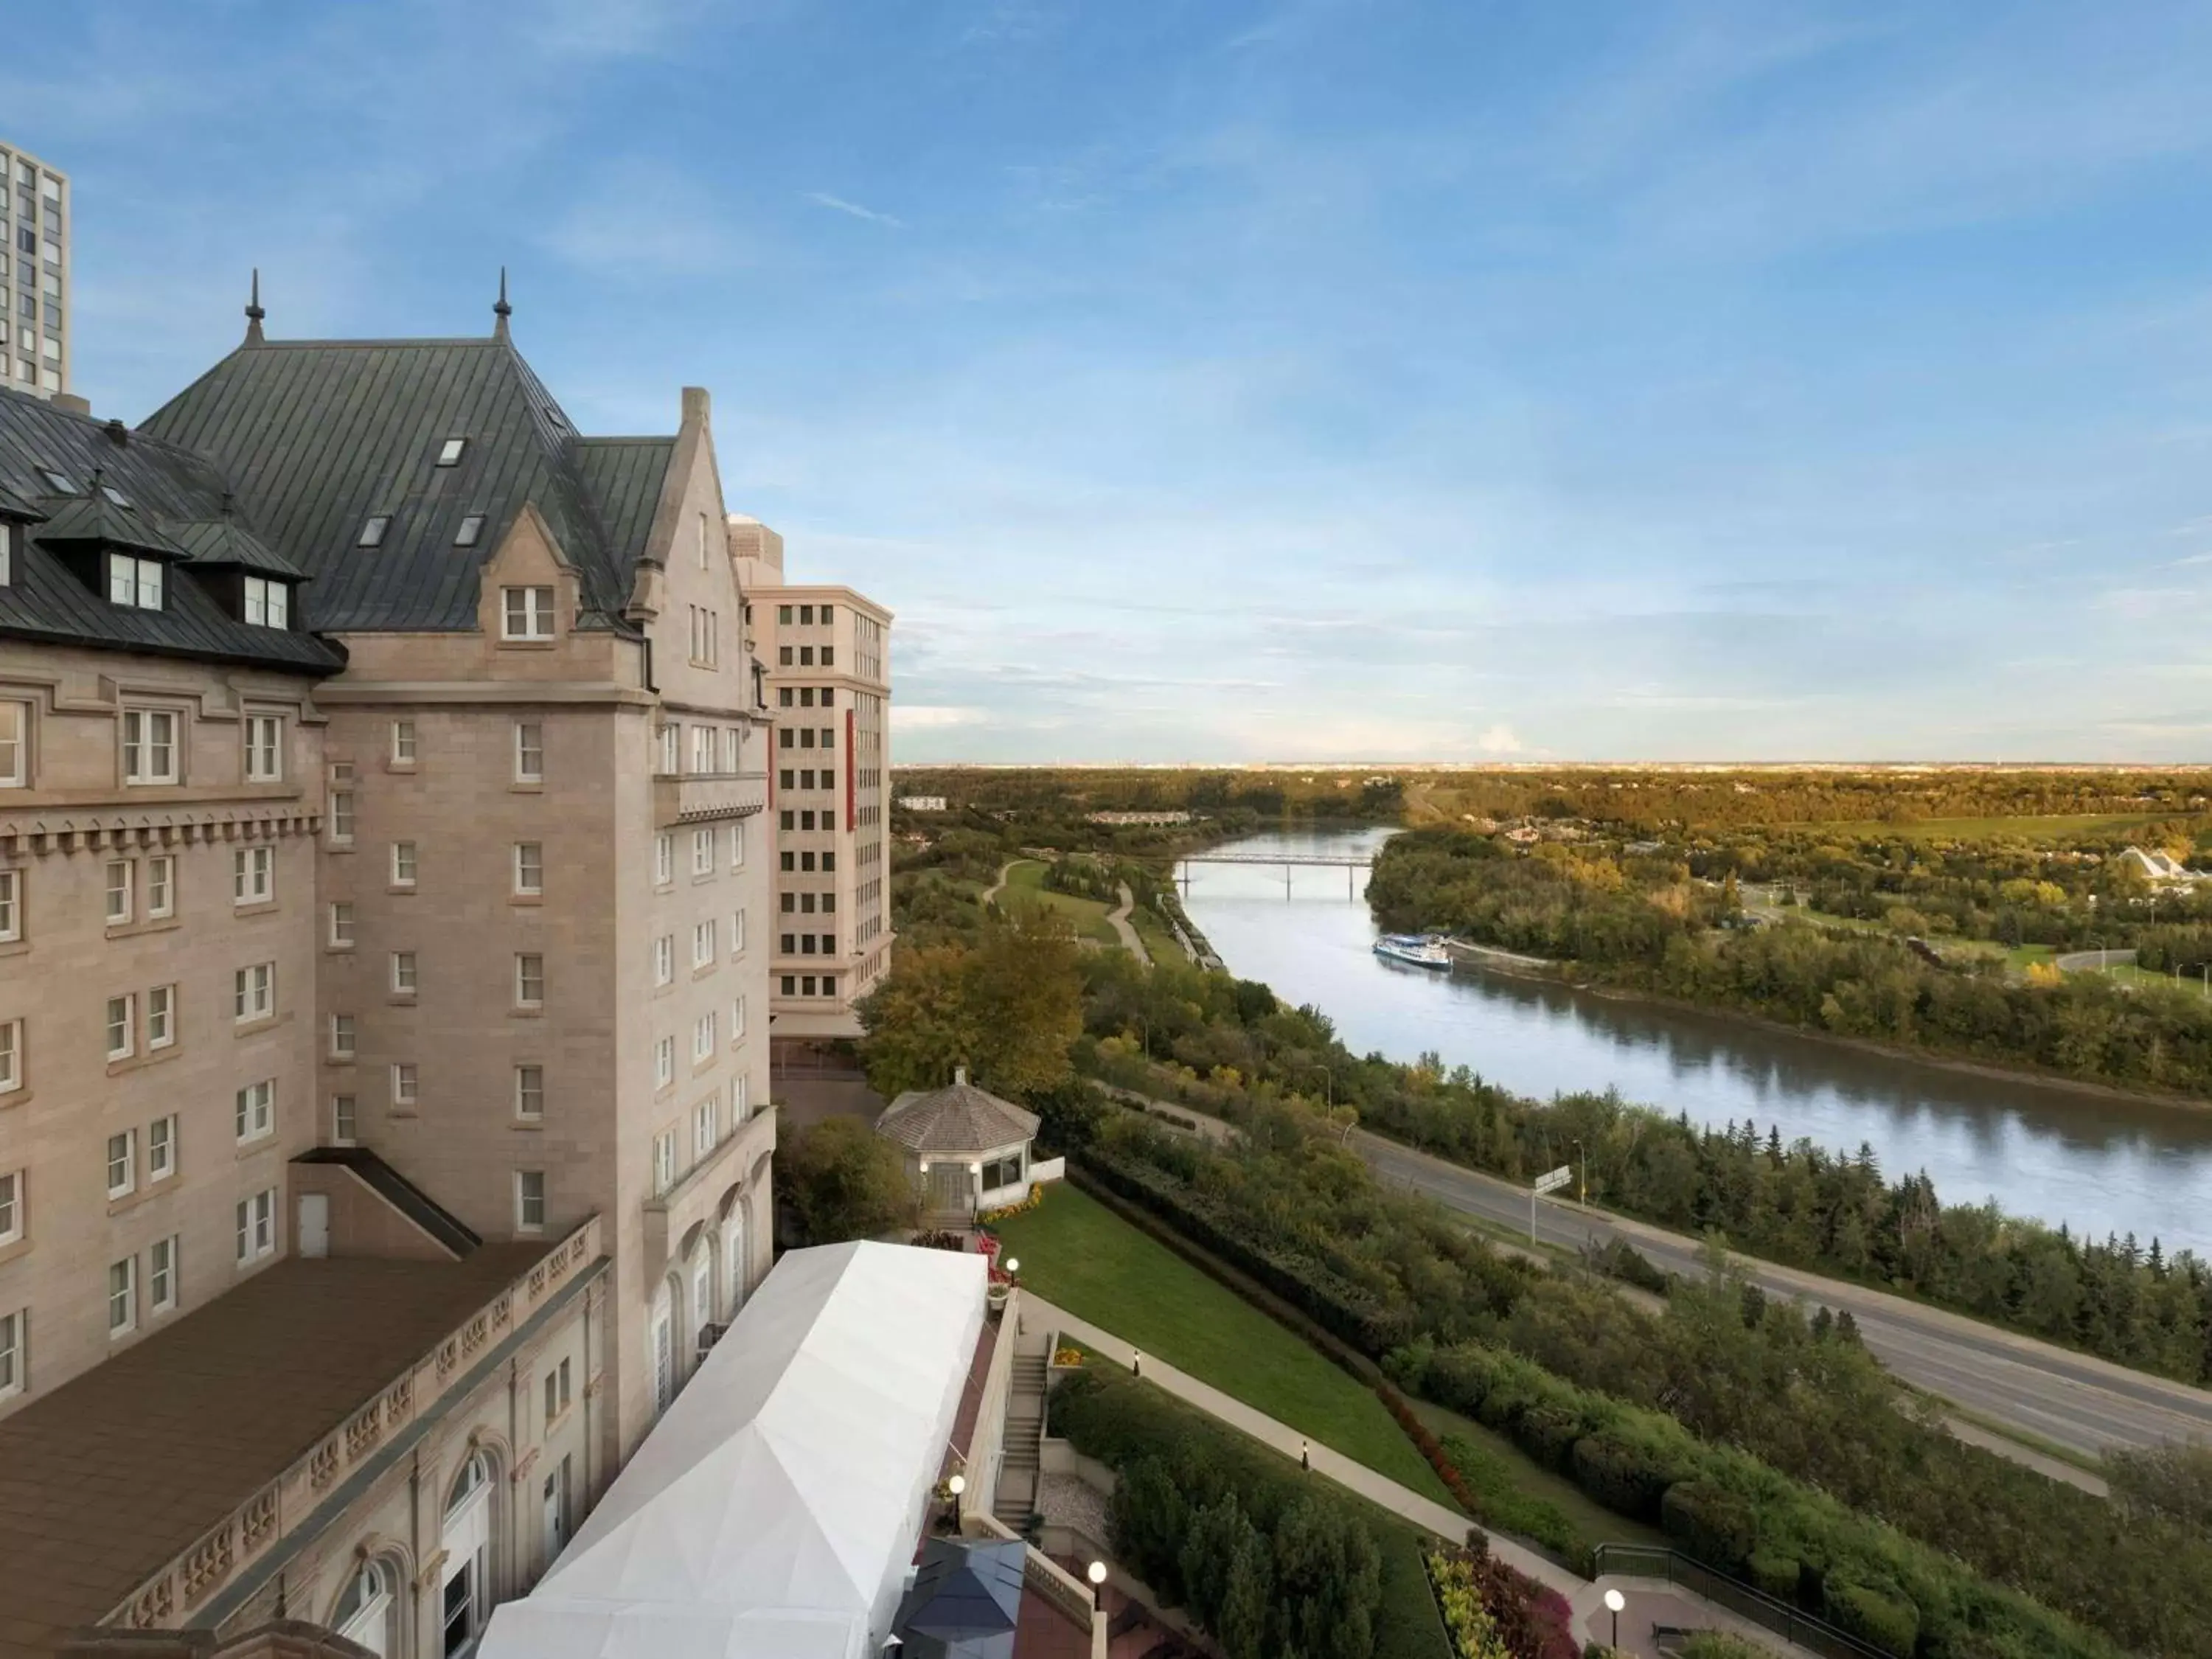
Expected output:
(2097, 1158)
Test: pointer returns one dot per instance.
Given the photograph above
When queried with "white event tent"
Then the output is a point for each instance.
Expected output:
(773, 1511)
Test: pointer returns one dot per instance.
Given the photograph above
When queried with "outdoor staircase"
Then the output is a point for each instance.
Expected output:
(1016, 1500)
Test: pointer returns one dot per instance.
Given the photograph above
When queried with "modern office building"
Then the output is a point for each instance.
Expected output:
(35, 212)
(825, 651)
(383, 1057)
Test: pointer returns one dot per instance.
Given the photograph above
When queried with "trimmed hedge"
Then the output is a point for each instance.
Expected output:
(1730, 1510)
(1342, 1581)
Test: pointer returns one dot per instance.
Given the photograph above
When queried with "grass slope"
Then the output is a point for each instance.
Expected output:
(1025, 881)
(1080, 1256)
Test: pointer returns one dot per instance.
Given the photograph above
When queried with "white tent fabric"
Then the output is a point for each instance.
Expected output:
(772, 1513)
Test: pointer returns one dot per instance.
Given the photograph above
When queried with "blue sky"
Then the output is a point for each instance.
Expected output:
(1317, 381)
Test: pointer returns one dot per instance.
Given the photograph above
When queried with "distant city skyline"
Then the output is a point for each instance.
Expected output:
(1301, 381)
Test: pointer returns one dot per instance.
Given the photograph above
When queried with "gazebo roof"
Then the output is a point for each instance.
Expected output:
(960, 1119)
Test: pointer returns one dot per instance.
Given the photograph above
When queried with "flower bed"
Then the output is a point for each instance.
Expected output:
(1494, 1612)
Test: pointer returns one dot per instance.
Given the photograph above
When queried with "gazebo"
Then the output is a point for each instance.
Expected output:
(966, 1149)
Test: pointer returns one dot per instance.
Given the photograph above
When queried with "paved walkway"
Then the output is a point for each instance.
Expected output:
(998, 886)
(1119, 918)
(1649, 1602)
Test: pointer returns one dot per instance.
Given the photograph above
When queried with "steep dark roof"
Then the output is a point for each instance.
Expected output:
(225, 543)
(317, 436)
(94, 520)
(47, 600)
(961, 1118)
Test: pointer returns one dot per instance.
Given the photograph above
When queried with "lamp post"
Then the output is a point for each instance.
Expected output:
(1096, 1572)
(1614, 1601)
(954, 1486)
(1581, 1158)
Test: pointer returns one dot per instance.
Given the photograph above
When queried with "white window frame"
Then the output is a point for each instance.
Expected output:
(529, 1093)
(402, 742)
(134, 581)
(664, 960)
(14, 1344)
(268, 602)
(12, 1194)
(160, 1016)
(162, 1148)
(664, 1063)
(406, 1084)
(15, 744)
(406, 977)
(344, 1036)
(122, 1164)
(11, 1055)
(732, 747)
(529, 869)
(252, 875)
(702, 850)
(122, 898)
(342, 919)
(528, 755)
(345, 1120)
(151, 746)
(670, 737)
(11, 906)
(703, 1043)
(122, 1026)
(525, 1200)
(526, 613)
(706, 1125)
(406, 864)
(253, 1111)
(256, 1226)
(123, 1288)
(161, 1274)
(737, 843)
(529, 977)
(664, 858)
(736, 1020)
(702, 748)
(702, 943)
(342, 818)
(161, 886)
(253, 993)
(264, 748)
(664, 1161)
(737, 933)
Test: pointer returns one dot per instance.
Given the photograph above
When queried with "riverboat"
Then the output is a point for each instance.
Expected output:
(1413, 949)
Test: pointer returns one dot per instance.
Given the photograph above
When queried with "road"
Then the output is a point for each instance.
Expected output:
(2074, 1399)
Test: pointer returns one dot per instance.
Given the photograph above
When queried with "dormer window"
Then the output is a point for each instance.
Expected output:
(449, 452)
(268, 604)
(526, 613)
(7, 534)
(372, 533)
(57, 482)
(472, 527)
(134, 581)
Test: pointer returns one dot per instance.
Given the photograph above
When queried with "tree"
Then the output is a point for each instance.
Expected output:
(2171, 1479)
(1008, 1008)
(841, 1180)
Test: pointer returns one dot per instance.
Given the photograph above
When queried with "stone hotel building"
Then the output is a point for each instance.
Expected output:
(385, 932)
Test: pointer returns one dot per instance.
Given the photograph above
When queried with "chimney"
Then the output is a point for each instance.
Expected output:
(960, 1077)
(70, 403)
(696, 405)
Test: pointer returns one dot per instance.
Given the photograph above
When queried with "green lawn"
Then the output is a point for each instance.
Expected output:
(1026, 880)
(1079, 1256)
(1159, 940)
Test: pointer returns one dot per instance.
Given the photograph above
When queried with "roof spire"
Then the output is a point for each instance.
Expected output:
(502, 311)
(254, 314)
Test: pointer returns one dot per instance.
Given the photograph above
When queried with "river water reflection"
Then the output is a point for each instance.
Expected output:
(2041, 1150)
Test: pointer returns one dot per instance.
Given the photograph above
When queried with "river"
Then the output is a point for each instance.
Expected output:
(2099, 1163)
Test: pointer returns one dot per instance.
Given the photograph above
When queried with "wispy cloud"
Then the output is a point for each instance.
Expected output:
(822, 199)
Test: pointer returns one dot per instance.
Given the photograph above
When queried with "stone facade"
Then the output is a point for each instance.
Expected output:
(826, 651)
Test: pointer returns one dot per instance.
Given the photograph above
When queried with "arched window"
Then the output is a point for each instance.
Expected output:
(466, 1591)
(702, 1287)
(733, 1257)
(660, 1334)
(364, 1611)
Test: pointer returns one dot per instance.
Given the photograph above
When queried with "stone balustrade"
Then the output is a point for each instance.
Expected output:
(267, 1516)
(703, 797)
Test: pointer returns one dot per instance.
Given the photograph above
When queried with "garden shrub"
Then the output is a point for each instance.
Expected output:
(1626, 1475)
(1885, 1619)
(1774, 1573)
(1548, 1433)
(1714, 1525)
(1502, 1506)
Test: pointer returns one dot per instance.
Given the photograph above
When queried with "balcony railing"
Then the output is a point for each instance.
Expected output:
(165, 1600)
(699, 797)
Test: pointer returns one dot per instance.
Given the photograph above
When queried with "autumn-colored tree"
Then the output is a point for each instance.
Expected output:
(1008, 1008)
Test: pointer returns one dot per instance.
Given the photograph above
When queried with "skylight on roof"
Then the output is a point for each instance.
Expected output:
(115, 495)
(58, 482)
(472, 527)
(372, 533)
(449, 452)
